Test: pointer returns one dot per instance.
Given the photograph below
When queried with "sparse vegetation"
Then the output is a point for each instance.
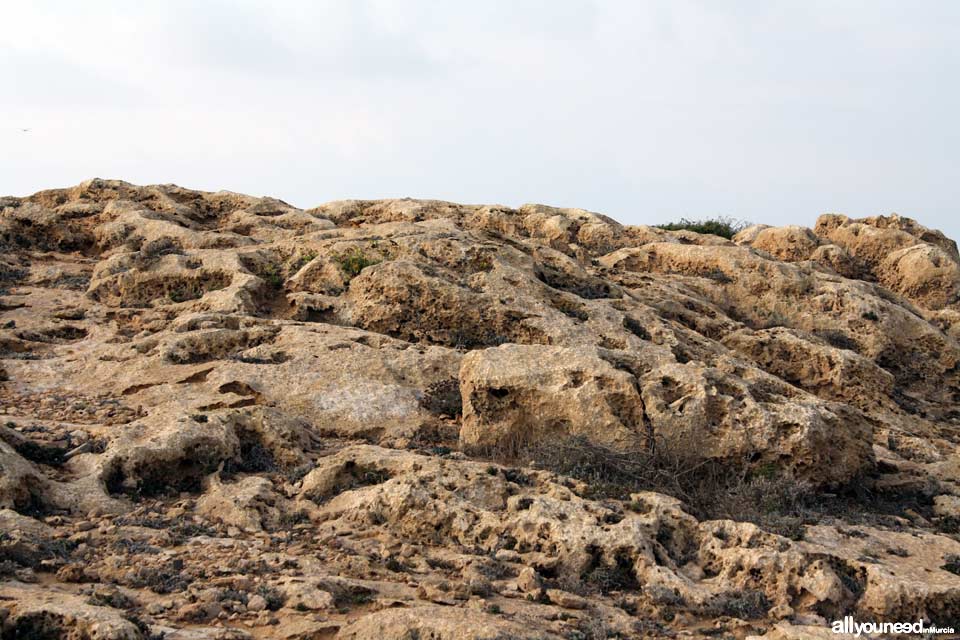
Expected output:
(443, 398)
(607, 579)
(272, 595)
(11, 272)
(110, 597)
(353, 261)
(254, 456)
(759, 494)
(162, 580)
(748, 604)
(722, 226)
(273, 274)
(303, 260)
(304, 440)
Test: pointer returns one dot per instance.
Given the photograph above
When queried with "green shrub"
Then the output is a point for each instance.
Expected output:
(303, 260)
(720, 226)
(273, 274)
(354, 261)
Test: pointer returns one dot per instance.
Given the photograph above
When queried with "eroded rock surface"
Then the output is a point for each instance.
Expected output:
(226, 417)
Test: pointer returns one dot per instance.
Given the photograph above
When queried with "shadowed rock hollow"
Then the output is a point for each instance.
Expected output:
(226, 417)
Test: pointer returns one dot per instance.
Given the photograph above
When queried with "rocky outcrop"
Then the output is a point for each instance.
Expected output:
(440, 623)
(918, 263)
(227, 417)
(523, 393)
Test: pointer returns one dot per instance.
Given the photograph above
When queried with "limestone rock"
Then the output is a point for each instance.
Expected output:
(441, 623)
(226, 417)
(50, 613)
(514, 394)
(790, 244)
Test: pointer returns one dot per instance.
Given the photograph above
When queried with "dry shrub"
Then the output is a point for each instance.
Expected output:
(710, 490)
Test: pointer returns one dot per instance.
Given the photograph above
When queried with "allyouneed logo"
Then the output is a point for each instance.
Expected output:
(849, 626)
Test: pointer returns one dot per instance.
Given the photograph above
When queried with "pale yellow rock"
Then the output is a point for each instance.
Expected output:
(515, 394)
(65, 614)
(792, 243)
(439, 623)
(247, 415)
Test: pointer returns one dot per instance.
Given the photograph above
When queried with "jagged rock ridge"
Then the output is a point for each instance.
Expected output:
(227, 417)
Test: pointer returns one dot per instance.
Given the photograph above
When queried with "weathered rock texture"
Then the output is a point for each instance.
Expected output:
(226, 417)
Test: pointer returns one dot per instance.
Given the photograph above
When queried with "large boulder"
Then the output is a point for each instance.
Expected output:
(31, 611)
(791, 243)
(925, 274)
(518, 394)
(745, 418)
(919, 263)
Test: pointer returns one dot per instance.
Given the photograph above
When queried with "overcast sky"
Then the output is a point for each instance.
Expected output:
(768, 111)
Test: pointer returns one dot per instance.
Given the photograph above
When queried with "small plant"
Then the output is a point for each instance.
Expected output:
(766, 471)
(591, 629)
(302, 261)
(722, 226)
(145, 632)
(272, 595)
(291, 519)
(443, 398)
(179, 295)
(612, 578)
(637, 506)
(232, 595)
(273, 275)
(353, 597)
(162, 580)
(354, 261)
(395, 565)
(12, 273)
(871, 316)
(748, 604)
(254, 456)
(113, 598)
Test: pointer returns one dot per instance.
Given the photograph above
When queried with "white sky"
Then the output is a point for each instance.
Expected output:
(645, 110)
